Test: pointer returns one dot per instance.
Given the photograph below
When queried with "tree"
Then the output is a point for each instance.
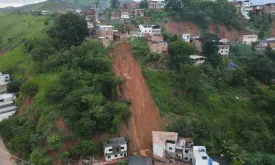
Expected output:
(14, 86)
(121, 162)
(54, 141)
(180, 51)
(84, 148)
(85, 126)
(114, 4)
(143, 4)
(239, 77)
(262, 68)
(29, 88)
(40, 156)
(68, 30)
(174, 4)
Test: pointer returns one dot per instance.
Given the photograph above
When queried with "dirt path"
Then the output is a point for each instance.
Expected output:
(145, 116)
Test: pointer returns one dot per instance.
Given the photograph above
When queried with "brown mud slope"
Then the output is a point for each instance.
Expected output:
(232, 35)
(145, 116)
(182, 27)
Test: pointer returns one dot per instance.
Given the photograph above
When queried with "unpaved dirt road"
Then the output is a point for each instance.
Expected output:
(145, 116)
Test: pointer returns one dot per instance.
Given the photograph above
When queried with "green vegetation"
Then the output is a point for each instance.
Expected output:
(65, 77)
(261, 23)
(84, 148)
(226, 110)
(205, 12)
(16, 28)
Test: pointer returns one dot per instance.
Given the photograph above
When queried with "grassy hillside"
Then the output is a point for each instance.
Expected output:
(15, 28)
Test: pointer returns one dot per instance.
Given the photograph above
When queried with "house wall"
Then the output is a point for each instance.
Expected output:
(223, 50)
(199, 62)
(115, 156)
(269, 9)
(4, 79)
(105, 32)
(170, 147)
(156, 4)
(158, 150)
(249, 39)
(139, 12)
(186, 37)
(6, 98)
(125, 16)
(158, 47)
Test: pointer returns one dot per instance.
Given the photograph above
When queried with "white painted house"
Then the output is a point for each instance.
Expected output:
(186, 37)
(156, 4)
(249, 39)
(224, 47)
(244, 7)
(199, 60)
(7, 107)
(168, 145)
(7, 97)
(200, 157)
(4, 79)
(115, 149)
(125, 15)
(150, 30)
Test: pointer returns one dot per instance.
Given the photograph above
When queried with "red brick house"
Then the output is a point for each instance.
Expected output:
(157, 45)
(269, 8)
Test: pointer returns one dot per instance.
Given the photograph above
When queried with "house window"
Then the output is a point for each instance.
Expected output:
(170, 148)
(121, 154)
(186, 158)
(122, 148)
(186, 151)
(115, 155)
(109, 157)
(110, 150)
(2, 100)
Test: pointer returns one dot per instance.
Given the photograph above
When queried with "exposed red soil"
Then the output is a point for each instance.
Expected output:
(2, 53)
(232, 35)
(62, 126)
(145, 116)
(182, 27)
(27, 102)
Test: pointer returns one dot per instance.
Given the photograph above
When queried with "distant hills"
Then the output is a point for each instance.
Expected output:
(54, 5)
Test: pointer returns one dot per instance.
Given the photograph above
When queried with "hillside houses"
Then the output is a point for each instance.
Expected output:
(156, 4)
(248, 39)
(198, 60)
(114, 149)
(224, 47)
(157, 45)
(244, 7)
(147, 30)
(7, 107)
(4, 80)
(169, 147)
